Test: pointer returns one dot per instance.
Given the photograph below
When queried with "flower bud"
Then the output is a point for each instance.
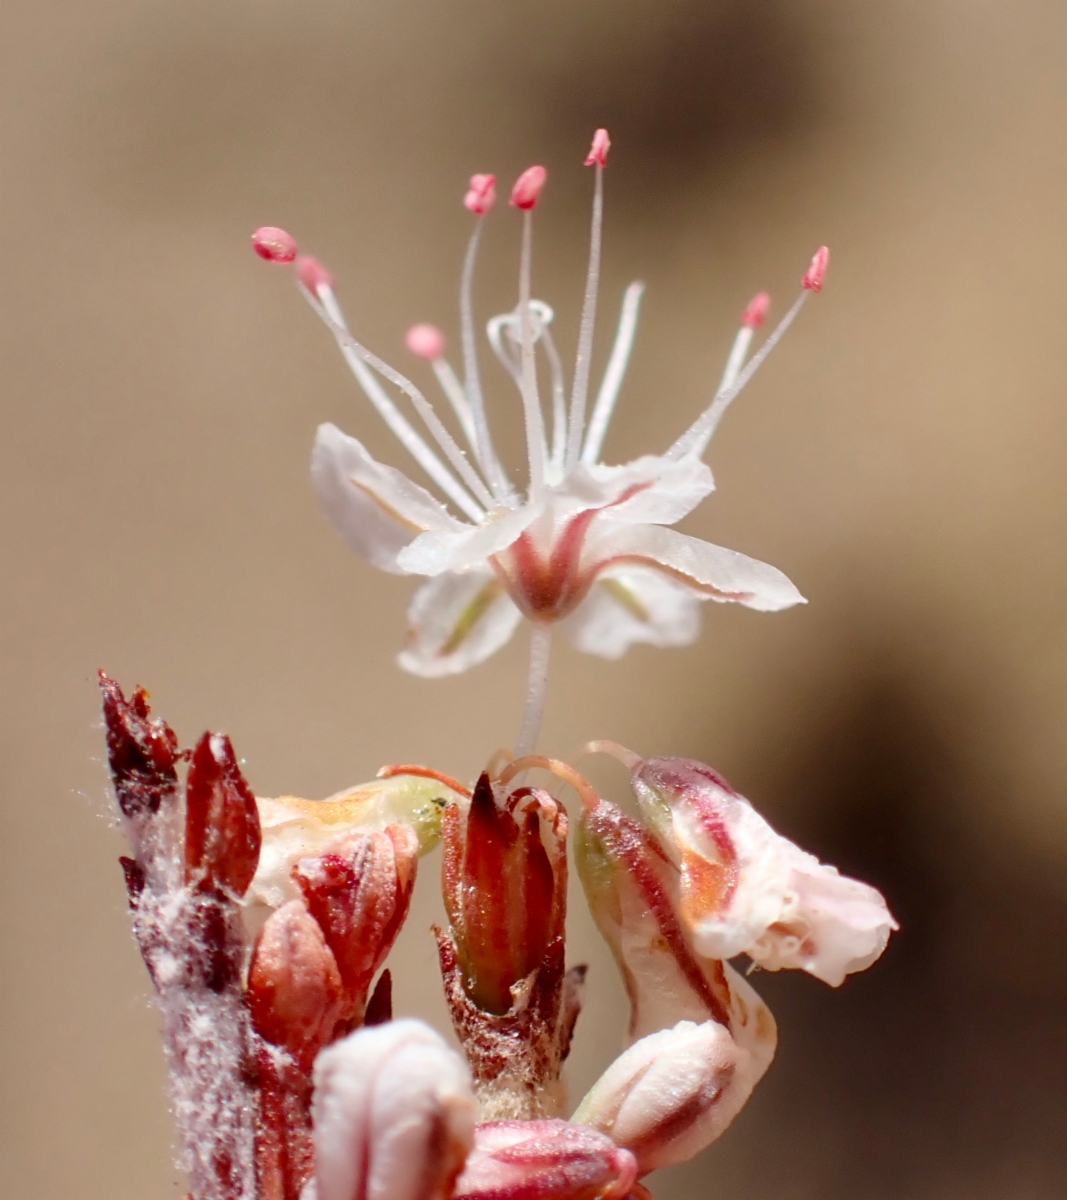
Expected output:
(672, 1093)
(359, 891)
(222, 836)
(544, 1160)
(393, 1115)
(294, 988)
(294, 829)
(504, 890)
(142, 751)
(745, 889)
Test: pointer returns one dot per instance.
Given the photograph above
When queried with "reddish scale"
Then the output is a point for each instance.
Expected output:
(222, 831)
(142, 751)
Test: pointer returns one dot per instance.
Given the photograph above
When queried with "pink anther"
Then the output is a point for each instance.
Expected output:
(312, 274)
(816, 273)
(481, 195)
(598, 152)
(273, 244)
(528, 187)
(756, 312)
(426, 341)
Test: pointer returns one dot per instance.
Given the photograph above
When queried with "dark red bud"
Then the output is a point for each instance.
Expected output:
(380, 1004)
(142, 751)
(222, 833)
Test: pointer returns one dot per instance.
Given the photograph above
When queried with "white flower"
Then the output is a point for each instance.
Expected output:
(394, 1115)
(745, 889)
(587, 544)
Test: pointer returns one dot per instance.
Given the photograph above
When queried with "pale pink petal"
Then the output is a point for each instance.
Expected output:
(714, 572)
(375, 508)
(628, 605)
(394, 1115)
(462, 546)
(651, 489)
(457, 620)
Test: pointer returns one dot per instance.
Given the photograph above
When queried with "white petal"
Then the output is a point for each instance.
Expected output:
(462, 546)
(634, 604)
(456, 621)
(375, 508)
(714, 572)
(664, 490)
(393, 1114)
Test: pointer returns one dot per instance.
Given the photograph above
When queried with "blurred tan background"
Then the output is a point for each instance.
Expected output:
(900, 457)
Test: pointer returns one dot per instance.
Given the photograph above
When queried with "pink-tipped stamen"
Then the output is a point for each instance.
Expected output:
(756, 311)
(816, 272)
(598, 152)
(531, 403)
(614, 374)
(312, 274)
(481, 194)
(274, 244)
(425, 341)
(527, 189)
(583, 362)
(484, 451)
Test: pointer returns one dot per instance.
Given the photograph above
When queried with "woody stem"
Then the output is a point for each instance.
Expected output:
(540, 647)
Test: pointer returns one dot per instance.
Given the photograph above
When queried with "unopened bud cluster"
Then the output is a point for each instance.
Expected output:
(265, 924)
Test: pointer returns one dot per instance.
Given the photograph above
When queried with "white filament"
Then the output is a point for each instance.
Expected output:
(457, 397)
(697, 436)
(615, 373)
(585, 331)
(559, 407)
(736, 360)
(535, 425)
(536, 688)
(326, 306)
(487, 456)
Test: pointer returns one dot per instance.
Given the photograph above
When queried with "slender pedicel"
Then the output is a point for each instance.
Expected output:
(598, 156)
(536, 687)
(696, 437)
(524, 195)
(614, 374)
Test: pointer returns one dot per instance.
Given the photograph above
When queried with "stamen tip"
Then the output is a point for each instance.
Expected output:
(528, 187)
(425, 341)
(481, 194)
(816, 272)
(756, 312)
(312, 274)
(273, 244)
(598, 152)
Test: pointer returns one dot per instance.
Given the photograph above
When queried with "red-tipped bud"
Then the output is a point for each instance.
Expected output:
(539, 1160)
(294, 988)
(222, 835)
(528, 187)
(425, 341)
(481, 194)
(142, 751)
(312, 274)
(359, 891)
(505, 893)
(756, 312)
(816, 273)
(273, 244)
(598, 152)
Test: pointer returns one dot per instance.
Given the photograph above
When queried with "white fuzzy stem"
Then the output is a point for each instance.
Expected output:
(537, 685)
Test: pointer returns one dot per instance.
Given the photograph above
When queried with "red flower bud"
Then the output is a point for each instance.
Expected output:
(222, 836)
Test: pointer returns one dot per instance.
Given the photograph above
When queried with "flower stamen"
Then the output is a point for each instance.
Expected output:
(614, 374)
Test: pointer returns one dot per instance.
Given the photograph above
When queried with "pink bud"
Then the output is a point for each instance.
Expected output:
(528, 187)
(756, 312)
(312, 274)
(273, 244)
(544, 1160)
(425, 341)
(393, 1115)
(598, 152)
(816, 273)
(673, 1093)
(481, 195)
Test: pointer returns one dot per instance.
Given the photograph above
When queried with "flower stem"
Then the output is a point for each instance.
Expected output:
(540, 647)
